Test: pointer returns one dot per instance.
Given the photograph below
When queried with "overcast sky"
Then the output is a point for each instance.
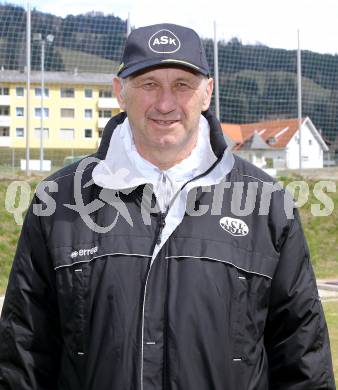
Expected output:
(273, 23)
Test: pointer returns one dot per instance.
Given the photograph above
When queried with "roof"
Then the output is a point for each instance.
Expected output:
(276, 134)
(281, 130)
(73, 78)
(233, 132)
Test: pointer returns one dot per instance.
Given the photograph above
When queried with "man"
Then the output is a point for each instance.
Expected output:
(148, 274)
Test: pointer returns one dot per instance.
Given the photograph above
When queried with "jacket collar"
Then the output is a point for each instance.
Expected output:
(113, 172)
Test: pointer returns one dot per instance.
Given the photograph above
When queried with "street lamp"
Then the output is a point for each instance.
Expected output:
(49, 40)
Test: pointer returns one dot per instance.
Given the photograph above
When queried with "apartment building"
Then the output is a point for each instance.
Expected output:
(76, 108)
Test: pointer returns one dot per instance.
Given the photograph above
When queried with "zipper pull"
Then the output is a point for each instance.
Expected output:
(161, 226)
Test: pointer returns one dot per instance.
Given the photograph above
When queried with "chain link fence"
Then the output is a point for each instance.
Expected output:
(256, 83)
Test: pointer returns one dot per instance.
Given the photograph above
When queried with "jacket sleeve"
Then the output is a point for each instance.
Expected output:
(296, 334)
(29, 325)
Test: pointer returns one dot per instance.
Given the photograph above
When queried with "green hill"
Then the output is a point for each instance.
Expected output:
(86, 62)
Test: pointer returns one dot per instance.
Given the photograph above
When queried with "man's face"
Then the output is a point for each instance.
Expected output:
(164, 106)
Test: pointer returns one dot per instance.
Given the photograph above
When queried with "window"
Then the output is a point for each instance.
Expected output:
(4, 110)
(45, 133)
(19, 111)
(100, 133)
(310, 141)
(38, 92)
(19, 91)
(272, 140)
(67, 112)
(4, 131)
(88, 113)
(88, 133)
(67, 134)
(45, 112)
(105, 93)
(19, 131)
(4, 91)
(67, 92)
(88, 93)
(104, 113)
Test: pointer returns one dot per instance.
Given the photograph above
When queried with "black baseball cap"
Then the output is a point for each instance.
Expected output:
(162, 45)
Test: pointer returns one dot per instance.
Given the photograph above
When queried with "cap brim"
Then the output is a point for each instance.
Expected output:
(130, 70)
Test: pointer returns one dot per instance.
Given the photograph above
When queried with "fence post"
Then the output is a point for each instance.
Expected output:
(28, 82)
(299, 79)
(216, 72)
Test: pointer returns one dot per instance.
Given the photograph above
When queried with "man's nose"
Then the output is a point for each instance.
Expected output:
(166, 101)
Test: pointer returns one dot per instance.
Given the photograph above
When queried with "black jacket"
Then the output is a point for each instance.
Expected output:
(229, 303)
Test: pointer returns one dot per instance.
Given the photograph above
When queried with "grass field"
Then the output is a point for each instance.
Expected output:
(321, 231)
(9, 234)
(331, 314)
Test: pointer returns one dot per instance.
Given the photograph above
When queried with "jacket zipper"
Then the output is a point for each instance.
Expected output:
(161, 225)
(166, 361)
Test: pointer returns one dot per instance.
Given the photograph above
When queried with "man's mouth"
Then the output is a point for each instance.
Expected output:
(164, 122)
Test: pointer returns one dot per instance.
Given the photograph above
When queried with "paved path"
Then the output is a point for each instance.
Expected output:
(327, 173)
(328, 289)
(327, 295)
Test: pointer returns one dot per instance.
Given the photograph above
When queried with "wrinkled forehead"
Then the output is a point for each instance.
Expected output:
(168, 73)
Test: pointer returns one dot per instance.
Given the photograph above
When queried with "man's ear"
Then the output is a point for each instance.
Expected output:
(119, 93)
(207, 94)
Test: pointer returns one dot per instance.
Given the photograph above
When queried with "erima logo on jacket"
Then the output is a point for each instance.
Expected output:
(164, 41)
(235, 227)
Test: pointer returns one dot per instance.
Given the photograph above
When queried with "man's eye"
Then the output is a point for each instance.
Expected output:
(182, 86)
(149, 85)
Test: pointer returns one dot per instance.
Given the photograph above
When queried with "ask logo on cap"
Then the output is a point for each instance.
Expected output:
(164, 41)
(161, 45)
